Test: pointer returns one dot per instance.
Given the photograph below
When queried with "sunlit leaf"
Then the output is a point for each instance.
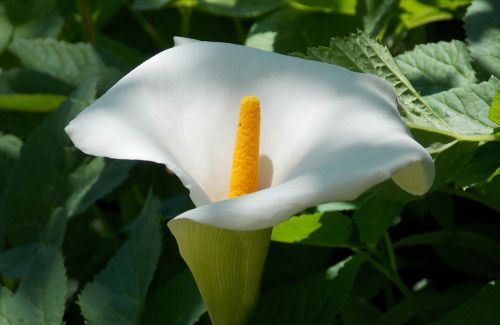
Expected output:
(436, 67)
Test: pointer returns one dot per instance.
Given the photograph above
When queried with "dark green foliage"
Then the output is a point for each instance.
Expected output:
(75, 247)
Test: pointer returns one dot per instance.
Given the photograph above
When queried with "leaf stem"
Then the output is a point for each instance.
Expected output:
(396, 280)
(87, 22)
(390, 253)
(147, 27)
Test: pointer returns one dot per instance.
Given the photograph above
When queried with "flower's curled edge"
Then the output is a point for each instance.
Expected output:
(327, 134)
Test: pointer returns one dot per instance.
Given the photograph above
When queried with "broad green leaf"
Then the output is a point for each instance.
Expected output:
(361, 53)
(418, 13)
(10, 147)
(482, 308)
(227, 266)
(117, 294)
(481, 168)
(373, 218)
(466, 109)
(30, 102)
(483, 35)
(463, 239)
(290, 30)
(494, 113)
(430, 303)
(15, 261)
(328, 6)
(27, 81)
(150, 4)
(177, 302)
(40, 297)
(72, 63)
(28, 19)
(318, 229)
(40, 179)
(316, 300)
(436, 67)
(61, 184)
(238, 8)
(376, 14)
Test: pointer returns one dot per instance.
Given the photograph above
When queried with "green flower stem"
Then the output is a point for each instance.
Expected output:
(185, 13)
(227, 266)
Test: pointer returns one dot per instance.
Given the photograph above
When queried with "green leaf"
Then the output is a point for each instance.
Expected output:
(483, 35)
(72, 63)
(10, 147)
(27, 81)
(418, 13)
(481, 308)
(436, 67)
(373, 218)
(463, 239)
(316, 300)
(31, 102)
(494, 114)
(28, 19)
(41, 295)
(361, 53)
(239, 8)
(481, 168)
(40, 179)
(117, 294)
(289, 30)
(318, 229)
(376, 14)
(431, 304)
(61, 184)
(177, 302)
(15, 261)
(328, 6)
(150, 4)
(466, 109)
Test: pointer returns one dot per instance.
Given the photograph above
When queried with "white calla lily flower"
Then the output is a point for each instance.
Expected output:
(327, 134)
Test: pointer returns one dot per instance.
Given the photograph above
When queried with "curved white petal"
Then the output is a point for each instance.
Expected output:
(327, 133)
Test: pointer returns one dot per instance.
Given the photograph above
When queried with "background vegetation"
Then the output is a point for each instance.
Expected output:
(84, 238)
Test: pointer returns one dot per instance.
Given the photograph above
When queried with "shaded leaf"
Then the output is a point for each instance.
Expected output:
(177, 302)
(481, 308)
(72, 63)
(310, 301)
(239, 8)
(289, 30)
(117, 294)
(41, 295)
(373, 219)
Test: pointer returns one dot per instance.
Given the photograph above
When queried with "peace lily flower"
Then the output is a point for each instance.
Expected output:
(327, 134)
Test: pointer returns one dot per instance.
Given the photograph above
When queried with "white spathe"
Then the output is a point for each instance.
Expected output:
(327, 134)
